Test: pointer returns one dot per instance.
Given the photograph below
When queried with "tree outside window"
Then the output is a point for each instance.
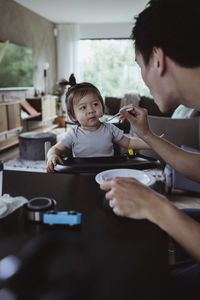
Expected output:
(110, 65)
(16, 68)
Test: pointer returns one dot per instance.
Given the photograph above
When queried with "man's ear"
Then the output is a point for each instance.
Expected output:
(159, 60)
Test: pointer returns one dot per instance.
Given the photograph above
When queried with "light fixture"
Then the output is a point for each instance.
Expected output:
(45, 68)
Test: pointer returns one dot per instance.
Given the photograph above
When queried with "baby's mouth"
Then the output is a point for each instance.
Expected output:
(92, 118)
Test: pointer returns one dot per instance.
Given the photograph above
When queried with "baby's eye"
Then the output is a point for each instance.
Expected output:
(82, 107)
(96, 104)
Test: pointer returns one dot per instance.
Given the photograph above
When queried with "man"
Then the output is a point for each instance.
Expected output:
(167, 50)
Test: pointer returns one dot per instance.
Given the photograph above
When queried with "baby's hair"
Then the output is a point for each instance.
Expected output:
(76, 92)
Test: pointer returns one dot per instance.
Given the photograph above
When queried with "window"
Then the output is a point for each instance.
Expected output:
(16, 67)
(110, 65)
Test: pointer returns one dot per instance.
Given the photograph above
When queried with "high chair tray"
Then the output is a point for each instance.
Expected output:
(98, 164)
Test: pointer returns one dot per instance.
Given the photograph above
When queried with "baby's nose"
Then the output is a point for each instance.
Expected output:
(91, 109)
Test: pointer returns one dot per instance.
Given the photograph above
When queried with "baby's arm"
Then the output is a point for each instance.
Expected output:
(133, 142)
(54, 156)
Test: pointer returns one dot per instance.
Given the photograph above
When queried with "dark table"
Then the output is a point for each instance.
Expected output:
(107, 257)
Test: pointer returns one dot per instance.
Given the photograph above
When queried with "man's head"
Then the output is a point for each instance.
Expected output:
(168, 49)
(172, 25)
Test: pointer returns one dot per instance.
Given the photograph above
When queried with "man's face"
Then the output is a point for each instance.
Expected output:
(157, 84)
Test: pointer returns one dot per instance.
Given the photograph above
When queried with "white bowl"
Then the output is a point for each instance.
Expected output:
(141, 176)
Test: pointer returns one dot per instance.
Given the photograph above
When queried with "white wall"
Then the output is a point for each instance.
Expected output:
(106, 30)
(25, 28)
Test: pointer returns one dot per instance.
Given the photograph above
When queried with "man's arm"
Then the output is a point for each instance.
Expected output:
(133, 142)
(185, 162)
(131, 199)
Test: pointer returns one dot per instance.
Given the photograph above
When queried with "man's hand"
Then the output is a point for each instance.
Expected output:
(138, 119)
(130, 198)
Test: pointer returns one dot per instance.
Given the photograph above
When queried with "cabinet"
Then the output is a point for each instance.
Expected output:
(45, 105)
(3, 118)
(10, 121)
(10, 116)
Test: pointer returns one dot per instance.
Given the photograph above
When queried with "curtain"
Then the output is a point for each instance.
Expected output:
(68, 36)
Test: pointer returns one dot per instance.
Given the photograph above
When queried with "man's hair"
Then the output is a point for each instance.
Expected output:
(172, 25)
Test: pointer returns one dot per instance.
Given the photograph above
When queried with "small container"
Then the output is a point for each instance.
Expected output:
(1, 177)
(37, 206)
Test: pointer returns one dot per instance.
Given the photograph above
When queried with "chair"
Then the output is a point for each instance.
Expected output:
(112, 105)
(175, 180)
(95, 165)
(120, 160)
(180, 130)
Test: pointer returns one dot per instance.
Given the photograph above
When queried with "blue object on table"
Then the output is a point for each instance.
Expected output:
(62, 217)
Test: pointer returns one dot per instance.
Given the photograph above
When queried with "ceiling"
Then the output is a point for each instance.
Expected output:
(86, 11)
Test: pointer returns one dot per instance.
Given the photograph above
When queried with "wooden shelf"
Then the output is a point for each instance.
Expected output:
(14, 140)
(11, 130)
(46, 105)
(9, 143)
(11, 120)
(36, 119)
(9, 116)
(31, 117)
(45, 128)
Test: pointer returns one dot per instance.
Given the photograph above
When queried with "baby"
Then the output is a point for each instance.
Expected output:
(89, 137)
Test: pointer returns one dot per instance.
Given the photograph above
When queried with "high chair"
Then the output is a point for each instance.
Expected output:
(130, 160)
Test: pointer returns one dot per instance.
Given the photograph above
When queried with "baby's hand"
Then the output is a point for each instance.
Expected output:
(53, 160)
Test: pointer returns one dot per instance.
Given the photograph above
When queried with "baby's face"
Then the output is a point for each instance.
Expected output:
(88, 111)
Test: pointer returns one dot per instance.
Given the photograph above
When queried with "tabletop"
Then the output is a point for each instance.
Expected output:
(107, 257)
